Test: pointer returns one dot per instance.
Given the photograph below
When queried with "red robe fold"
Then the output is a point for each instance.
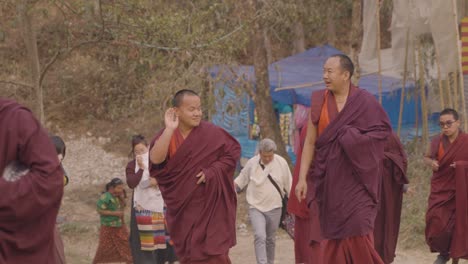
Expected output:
(387, 223)
(201, 218)
(346, 171)
(447, 213)
(307, 236)
(29, 205)
(299, 209)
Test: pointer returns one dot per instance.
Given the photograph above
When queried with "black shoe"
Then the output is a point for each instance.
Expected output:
(441, 259)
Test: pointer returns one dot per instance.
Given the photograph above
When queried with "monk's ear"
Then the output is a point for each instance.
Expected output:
(346, 75)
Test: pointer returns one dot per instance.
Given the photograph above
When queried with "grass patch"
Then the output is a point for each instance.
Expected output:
(78, 228)
(415, 204)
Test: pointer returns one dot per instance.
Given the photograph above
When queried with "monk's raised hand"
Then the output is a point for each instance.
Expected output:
(301, 190)
(453, 165)
(171, 120)
(202, 178)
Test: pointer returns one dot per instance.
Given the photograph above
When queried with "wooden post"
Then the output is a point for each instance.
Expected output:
(422, 86)
(356, 39)
(459, 51)
(446, 83)
(416, 91)
(456, 99)
(379, 58)
(439, 77)
(402, 96)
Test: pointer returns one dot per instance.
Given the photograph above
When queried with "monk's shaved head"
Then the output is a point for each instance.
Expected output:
(177, 99)
(346, 63)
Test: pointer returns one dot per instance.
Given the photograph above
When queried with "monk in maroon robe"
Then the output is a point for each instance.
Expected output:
(31, 187)
(447, 212)
(341, 162)
(194, 163)
(387, 223)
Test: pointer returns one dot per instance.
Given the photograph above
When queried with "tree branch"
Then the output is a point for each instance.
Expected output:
(64, 55)
(47, 66)
(17, 84)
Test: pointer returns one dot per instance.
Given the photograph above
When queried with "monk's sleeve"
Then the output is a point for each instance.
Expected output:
(402, 165)
(227, 160)
(133, 178)
(42, 187)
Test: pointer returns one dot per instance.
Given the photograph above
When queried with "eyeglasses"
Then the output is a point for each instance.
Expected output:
(447, 124)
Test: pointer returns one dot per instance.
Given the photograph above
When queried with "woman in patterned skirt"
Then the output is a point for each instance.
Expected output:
(149, 239)
(113, 236)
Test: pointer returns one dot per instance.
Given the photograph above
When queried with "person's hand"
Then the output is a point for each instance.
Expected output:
(139, 160)
(301, 190)
(435, 165)
(171, 120)
(453, 165)
(409, 190)
(202, 178)
(153, 182)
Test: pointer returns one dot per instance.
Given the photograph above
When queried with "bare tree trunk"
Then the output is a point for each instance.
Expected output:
(422, 87)
(97, 7)
(299, 37)
(356, 38)
(331, 27)
(269, 125)
(268, 47)
(30, 41)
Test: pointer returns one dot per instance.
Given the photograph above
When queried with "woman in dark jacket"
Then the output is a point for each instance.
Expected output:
(149, 239)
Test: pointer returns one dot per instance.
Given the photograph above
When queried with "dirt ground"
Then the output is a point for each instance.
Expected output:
(80, 235)
(89, 167)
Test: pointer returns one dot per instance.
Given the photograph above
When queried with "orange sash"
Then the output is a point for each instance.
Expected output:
(441, 151)
(176, 140)
(324, 119)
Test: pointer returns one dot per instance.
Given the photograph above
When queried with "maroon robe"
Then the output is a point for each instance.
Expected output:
(447, 213)
(307, 238)
(346, 171)
(29, 205)
(133, 178)
(201, 218)
(387, 223)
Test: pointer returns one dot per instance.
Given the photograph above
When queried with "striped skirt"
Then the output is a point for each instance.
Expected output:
(152, 230)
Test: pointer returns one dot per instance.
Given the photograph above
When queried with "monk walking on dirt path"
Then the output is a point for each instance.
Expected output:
(447, 212)
(341, 163)
(194, 163)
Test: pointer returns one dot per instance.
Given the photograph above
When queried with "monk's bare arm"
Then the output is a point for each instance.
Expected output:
(306, 159)
(159, 151)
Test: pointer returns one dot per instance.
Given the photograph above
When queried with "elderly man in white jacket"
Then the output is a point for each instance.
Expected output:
(263, 197)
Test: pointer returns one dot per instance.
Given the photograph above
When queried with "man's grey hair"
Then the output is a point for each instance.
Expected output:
(266, 145)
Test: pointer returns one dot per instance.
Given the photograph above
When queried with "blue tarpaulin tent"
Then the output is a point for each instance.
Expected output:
(304, 69)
